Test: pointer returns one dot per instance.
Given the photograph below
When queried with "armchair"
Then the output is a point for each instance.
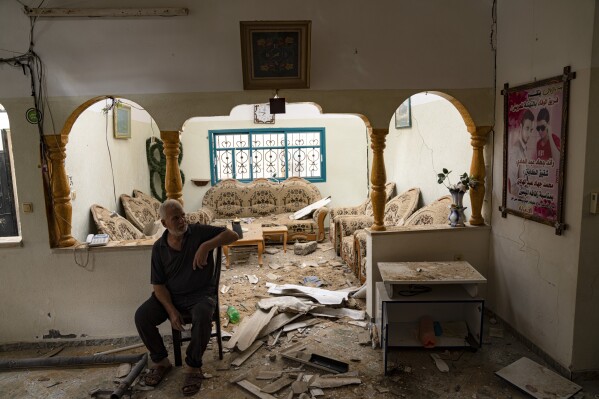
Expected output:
(432, 214)
(364, 209)
(396, 212)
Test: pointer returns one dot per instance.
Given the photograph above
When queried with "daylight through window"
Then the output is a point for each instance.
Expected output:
(277, 154)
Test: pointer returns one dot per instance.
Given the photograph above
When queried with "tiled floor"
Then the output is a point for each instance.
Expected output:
(414, 375)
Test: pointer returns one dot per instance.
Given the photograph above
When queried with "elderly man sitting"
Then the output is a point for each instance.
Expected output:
(182, 278)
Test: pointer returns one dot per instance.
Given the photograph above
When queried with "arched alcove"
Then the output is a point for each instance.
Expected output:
(94, 160)
(433, 136)
(345, 144)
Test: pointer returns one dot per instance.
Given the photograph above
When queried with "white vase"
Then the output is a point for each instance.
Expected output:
(456, 210)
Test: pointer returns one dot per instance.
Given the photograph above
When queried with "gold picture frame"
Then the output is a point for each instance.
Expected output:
(122, 121)
(275, 54)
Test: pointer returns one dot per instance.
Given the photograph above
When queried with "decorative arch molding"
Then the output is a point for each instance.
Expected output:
(478, 140)
(58, 194)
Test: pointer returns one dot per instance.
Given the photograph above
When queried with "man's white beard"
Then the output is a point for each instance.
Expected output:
(179, 233)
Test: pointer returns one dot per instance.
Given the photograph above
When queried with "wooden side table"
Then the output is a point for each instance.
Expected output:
(274, 232)
(250, 238)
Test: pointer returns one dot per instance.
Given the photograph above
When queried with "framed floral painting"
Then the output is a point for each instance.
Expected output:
(275, 54)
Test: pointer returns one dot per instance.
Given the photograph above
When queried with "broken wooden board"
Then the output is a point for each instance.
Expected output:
(538, 381)
(278, 384)
(268, 374)
(287, 304)
(322, 296)
(230, 344)
(338, 312)
(300, 324)
(243, 356)
(277, 322)
(254, 390)
(249, 329)
(320, 382)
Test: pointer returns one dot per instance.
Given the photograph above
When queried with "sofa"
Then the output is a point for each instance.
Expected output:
(397, 210)
(141, 209)
(268, 202)
(117, 227)
(364, 209)
(354, 246)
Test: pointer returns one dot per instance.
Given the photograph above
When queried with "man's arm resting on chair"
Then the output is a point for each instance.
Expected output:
(225, 238)
(164, 296)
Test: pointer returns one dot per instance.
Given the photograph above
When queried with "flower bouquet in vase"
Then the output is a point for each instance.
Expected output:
(457, 191)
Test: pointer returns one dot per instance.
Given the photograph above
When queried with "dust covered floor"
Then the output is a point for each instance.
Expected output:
(413, 374)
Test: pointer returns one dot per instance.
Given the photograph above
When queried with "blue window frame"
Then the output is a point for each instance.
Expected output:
(247, 154)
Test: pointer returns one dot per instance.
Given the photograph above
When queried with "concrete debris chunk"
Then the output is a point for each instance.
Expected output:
(123, 370)
(273, 277)
(271, 250)
(224, 289)
(252, 278)
(274, 266)
(254, 390)
(304, 248)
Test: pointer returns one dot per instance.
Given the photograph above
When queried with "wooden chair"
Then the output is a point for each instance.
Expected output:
(178, 338)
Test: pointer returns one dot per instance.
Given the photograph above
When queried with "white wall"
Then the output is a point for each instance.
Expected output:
(345, 146)
(533, 272)
(437, 139)
(179, 68)
(95, 158)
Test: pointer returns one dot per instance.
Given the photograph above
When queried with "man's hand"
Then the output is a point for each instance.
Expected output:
(176, 320)
(201, 257)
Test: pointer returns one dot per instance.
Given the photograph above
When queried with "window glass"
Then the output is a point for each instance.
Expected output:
(269, 153)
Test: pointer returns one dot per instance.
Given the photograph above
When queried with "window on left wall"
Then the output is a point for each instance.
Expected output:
(9, 225)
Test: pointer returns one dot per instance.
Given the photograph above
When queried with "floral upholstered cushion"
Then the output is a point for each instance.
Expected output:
(148, 199)
(138, 212)
(434, 213)
(348, 253)
(117, 227)
(401, 207)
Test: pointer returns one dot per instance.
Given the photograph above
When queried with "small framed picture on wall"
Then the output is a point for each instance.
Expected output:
(403, 115)
(122, 121)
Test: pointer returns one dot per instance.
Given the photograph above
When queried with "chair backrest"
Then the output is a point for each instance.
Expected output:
(117, 227)
(217, 253)
(390, 188)
(401, 207)
(138, 211)
(434, 213)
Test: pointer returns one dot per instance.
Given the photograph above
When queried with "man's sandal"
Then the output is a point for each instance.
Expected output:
(156, 374)
(192, 383)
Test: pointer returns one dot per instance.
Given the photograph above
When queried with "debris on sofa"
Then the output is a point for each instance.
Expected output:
(304, 248)
(322, 296)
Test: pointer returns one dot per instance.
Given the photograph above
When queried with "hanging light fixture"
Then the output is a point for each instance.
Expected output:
(277, 104)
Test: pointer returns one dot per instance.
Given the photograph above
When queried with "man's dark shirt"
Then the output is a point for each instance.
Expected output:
(174, 269)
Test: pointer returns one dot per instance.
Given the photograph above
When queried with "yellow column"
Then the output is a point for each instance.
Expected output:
(477, 170)
(172, 183)
(61, 193)
(378, 177)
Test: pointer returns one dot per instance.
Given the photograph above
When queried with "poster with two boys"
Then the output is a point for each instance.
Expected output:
(534, 148)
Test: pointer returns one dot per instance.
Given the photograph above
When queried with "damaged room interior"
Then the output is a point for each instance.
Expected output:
(301, 199)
